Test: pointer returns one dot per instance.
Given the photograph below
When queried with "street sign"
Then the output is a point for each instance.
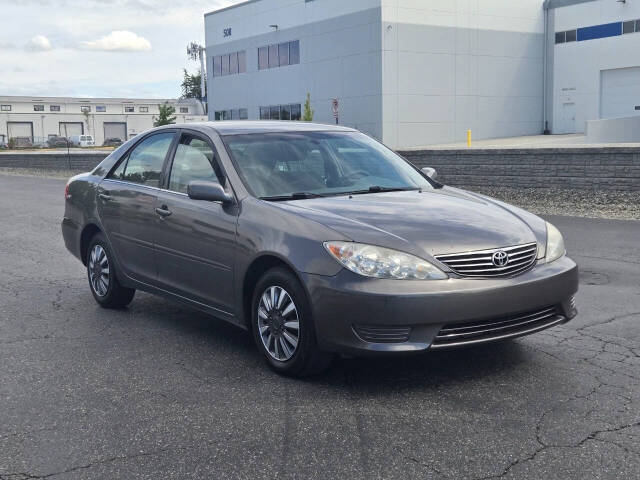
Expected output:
(335, 106)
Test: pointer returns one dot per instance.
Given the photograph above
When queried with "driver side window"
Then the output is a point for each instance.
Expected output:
(194, 160)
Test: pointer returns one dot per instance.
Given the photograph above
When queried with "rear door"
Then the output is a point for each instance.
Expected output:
(126, 204)
(195, 240)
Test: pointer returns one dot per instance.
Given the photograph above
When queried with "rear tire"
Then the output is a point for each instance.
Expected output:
(101, 273)
(283, 327)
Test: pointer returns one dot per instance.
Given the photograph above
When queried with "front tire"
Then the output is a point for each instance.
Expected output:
(283, 326)
(101, 273)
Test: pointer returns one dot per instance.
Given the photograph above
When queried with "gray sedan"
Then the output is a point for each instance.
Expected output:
(317, 239)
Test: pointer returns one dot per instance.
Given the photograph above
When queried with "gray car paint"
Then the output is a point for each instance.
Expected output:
(424, 223)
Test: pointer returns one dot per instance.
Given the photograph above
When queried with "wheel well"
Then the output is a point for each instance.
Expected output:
(87, 234)
(254, 272)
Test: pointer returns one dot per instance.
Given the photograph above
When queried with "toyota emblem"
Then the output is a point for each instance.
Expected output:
(500, 258)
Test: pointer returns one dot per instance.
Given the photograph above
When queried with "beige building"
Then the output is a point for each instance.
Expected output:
(40, 118)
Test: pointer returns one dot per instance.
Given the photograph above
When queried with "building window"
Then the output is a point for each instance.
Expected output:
(291, 111)
(629, 27)
(637, 25)
(560, 37)
(294, 52)
(54, 108)
(5, 108)
(85, 108)
(279, 55)
(225, 65)
(128, 109)
(242, 62)
(285, 112)
(233, 63)
(234, 114)
(230, 64)
(144, 109)
(101, 108)
(184, 109)
(263, 58)
(38, 108)
(283, 53)
(296, 112)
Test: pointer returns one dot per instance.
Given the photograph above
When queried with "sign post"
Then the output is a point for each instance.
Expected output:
(335, 105)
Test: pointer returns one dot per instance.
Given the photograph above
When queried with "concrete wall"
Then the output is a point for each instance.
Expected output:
(614, 130)
(450, 66)
(616, 168)
(52, 161)
(339, 58)
(577, 66)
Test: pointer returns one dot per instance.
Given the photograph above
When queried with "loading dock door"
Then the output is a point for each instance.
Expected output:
(115, 130)
(20, 129)
(68, 129)
(620, 92)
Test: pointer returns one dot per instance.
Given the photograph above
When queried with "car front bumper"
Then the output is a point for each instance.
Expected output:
(346, 305)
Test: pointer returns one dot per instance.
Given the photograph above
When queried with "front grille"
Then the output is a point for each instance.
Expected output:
(493, 329)
(481, 262)
(382, 334)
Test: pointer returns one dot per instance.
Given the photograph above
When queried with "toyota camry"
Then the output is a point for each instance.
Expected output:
(317, 239)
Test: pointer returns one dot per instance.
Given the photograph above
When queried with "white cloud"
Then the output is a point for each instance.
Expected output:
(39, 43)
(119, 41)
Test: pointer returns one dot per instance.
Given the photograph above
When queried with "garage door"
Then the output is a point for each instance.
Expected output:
(20, 129)
(620, 96)
(115, 130)
(68, 129)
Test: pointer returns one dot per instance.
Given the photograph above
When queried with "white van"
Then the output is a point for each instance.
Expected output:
(81, 140)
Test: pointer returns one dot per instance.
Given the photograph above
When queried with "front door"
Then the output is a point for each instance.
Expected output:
(126, 205)
(568, 124)
(195, 240)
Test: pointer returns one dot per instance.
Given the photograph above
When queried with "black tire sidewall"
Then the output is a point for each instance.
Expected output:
(306, 342)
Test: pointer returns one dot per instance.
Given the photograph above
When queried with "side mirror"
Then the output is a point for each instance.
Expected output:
(208, 191)
(430, 172)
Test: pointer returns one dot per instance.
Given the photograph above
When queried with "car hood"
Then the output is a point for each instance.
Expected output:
(432, 222)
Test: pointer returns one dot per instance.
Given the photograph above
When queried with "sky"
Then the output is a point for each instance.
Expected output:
(99, 48)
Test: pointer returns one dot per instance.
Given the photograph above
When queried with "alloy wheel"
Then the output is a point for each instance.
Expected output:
(99, 270)
(278, 323)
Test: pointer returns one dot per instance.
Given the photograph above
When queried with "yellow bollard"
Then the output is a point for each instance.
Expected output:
(468, 138)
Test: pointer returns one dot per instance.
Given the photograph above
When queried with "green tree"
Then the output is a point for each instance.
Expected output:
(307, 113)
(191, 85)
(165, 115)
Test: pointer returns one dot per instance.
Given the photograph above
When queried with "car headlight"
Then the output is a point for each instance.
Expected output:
(379, 262)
(555, 243)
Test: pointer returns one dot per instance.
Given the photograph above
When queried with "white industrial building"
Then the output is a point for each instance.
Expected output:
(40, 118)
(595, 62)
(419, 72)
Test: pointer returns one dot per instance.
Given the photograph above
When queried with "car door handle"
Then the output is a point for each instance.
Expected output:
(105, 196)
(163, 211)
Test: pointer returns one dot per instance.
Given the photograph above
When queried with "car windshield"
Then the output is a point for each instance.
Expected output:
(309, 164)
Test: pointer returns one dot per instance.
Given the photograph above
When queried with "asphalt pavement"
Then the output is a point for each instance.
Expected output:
(161, 391)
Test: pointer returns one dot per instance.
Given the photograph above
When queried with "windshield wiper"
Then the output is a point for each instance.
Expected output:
(378, 189)
(293, 196)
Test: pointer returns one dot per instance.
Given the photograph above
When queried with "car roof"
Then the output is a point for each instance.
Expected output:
(240, 127)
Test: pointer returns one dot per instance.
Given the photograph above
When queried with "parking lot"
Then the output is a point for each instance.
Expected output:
(160, 391)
